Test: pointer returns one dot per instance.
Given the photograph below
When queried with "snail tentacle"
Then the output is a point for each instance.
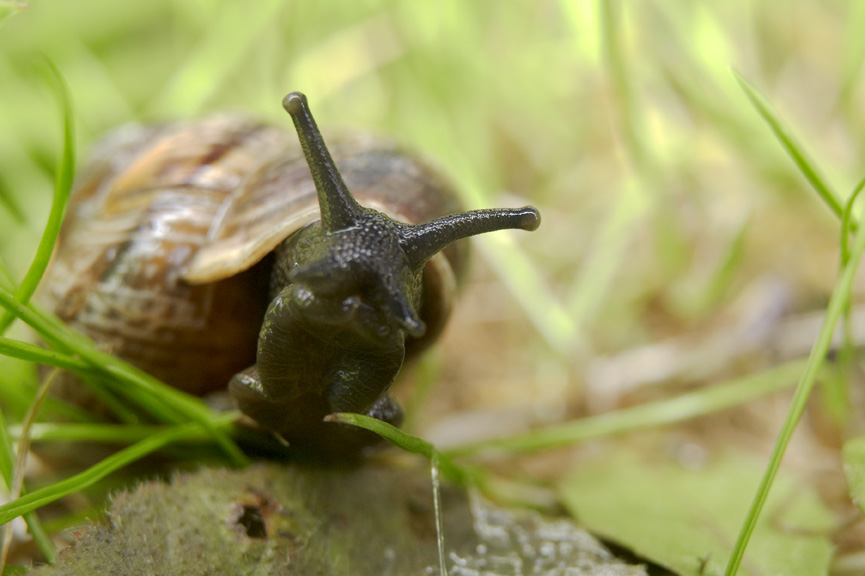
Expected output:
(420, 242)
(339, 209)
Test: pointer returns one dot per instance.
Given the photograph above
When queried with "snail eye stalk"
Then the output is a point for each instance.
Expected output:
(339, 209)
(423, 241)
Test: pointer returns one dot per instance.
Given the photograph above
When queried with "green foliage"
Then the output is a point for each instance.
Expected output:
(684, 519)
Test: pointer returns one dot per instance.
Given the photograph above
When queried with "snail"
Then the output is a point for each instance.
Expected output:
(218, 251)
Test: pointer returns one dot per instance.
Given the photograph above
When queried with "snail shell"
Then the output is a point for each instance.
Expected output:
(181, 237)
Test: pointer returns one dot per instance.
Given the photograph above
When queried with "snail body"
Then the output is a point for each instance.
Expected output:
(220, 251)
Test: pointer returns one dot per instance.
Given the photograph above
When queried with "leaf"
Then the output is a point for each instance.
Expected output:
(687, 520)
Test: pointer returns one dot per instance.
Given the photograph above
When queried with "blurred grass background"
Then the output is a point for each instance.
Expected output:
(665, 198)
(670, 211)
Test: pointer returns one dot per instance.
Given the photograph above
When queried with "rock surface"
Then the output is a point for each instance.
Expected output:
(291, 519)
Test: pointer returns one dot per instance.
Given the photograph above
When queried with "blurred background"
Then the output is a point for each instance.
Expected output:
(677, 235)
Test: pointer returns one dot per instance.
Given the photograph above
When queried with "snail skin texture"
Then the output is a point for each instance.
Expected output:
(220, 252)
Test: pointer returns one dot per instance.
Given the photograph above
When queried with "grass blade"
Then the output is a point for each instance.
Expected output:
(38, 355)
(685, 407)
(80, 481)
(106, 433)
(130, 379)
(796, 153)
(62, 189)
(837, 305)
(847, 223)
(17, 486)
(405, 441)
(7, 457)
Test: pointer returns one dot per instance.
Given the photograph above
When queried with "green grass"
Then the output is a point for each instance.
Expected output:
(670, 186)
(62, 188)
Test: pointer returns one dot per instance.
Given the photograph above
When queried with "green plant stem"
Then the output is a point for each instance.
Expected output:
(848, 223)
(837, 304)
(685, 407)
